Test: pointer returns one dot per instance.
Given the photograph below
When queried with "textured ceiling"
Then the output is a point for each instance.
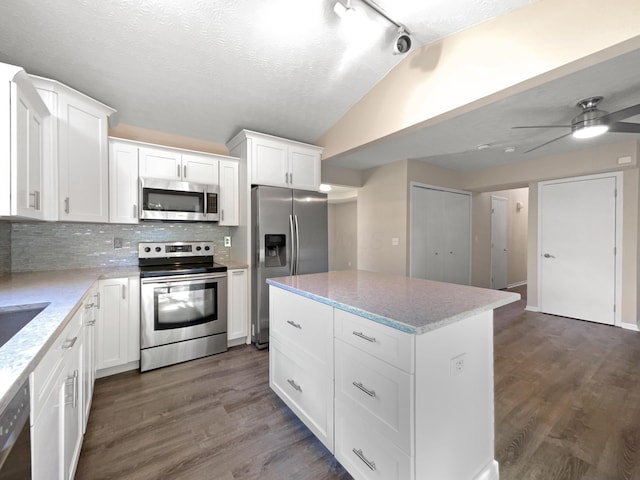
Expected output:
(206, 69)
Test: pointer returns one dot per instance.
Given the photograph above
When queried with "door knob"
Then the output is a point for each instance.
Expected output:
(548, 255)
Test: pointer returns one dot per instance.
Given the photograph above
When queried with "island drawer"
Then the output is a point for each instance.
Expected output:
(388, 344)
(368, 455)
(305, 386)
(302, 322)
(374, 393)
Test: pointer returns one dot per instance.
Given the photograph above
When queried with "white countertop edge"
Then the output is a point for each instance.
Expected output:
(403, 327)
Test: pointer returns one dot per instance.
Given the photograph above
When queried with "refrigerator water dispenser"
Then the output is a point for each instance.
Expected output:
(275, 253)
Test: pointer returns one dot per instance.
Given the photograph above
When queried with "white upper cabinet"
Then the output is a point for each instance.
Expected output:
(80, 151)
(22, 117)
(229, 193)
(200, 169)
(123, 182)
(279, 162)
(174, 165)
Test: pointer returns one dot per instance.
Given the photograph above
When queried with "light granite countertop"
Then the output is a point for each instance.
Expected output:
(408, 304)
(63, 290)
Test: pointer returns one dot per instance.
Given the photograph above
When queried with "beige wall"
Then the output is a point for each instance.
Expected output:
(131, 132)
(343, 235)
(486, 63)
(382, 216)
(517, 226)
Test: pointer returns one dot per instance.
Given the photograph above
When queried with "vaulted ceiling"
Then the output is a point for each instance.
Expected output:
(291, 68)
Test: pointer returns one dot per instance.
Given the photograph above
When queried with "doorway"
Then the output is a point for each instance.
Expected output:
(579, 237)
(498, 242)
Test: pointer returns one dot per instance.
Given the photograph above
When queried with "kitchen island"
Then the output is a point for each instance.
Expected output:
(393, 374)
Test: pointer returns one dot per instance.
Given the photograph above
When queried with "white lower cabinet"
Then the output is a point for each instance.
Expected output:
(237, 306)
(301, 359)
(402, 411)
(89, 318)
(118, 333)
(57, 405)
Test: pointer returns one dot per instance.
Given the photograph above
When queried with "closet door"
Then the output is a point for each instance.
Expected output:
(440, 234)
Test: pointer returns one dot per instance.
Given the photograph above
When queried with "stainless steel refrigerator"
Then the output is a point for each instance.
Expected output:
(288, 237)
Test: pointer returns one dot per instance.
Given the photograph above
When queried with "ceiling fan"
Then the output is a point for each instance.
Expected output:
(593, 122)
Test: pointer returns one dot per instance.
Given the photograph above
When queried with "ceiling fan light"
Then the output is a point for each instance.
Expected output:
(590, 131)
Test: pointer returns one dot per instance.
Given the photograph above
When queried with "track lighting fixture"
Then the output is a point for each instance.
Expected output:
(402, 41)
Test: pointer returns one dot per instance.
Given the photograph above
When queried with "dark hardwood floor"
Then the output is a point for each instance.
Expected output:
(567, 406)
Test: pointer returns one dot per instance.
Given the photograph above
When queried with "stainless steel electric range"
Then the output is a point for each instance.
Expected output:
(183, 303)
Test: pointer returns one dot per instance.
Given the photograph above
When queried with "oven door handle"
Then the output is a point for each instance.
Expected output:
(175, 279)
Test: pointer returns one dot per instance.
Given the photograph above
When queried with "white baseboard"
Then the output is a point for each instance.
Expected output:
(106, 372)
(630, 326)
(517, 284)
(529, 308)
(490, 472)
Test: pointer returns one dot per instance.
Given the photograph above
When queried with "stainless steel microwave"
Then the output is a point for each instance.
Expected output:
(178, 201)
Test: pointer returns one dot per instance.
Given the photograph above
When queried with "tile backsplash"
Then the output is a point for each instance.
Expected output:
(5, 247)
(59, 246)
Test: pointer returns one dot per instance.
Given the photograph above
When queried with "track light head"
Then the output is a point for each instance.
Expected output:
(402, 43)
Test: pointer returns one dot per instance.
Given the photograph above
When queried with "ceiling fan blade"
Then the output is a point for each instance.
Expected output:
(628, 112)
(544, 126)
(547, 143)
(625, 127)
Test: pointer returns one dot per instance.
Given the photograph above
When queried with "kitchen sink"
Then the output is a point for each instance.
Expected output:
(14, 317)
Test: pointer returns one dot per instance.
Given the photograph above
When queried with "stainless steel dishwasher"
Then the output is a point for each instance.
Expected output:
(15, 438)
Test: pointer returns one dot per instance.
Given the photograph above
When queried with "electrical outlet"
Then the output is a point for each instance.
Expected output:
(458, 365)
(227, 241)
(117, 242)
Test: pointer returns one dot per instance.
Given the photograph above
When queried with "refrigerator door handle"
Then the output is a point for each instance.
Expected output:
(297, 245)
(292, 259)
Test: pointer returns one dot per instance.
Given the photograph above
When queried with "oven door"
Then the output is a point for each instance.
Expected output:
(182, 307)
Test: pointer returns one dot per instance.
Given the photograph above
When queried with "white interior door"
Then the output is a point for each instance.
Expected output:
(498, 242)
(577, 248)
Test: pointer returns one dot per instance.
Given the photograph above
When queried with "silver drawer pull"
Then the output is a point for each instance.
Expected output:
(362, 335)
(89, 305)
(68, 344)
(371, 393)
(294, 324)
(369, 463)
(294, 385)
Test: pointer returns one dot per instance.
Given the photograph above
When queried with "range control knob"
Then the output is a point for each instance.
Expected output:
(198, 248)
(207, 248)
(147, 249)
(158, 249)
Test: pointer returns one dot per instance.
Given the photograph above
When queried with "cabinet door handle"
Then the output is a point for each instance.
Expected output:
(294, 385)
(362, 335)
(135, 211)
(97, 295)
(369, 463)
(222, 215)
(89, 305)
(185, 171)
(371, 393)
(124, 292)
(91, 323)
(36, 200)
(294, 324)
(178, 171)
(291, 178)
(72, 381)
(68, 344)
(286, 177)
(66, 205)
